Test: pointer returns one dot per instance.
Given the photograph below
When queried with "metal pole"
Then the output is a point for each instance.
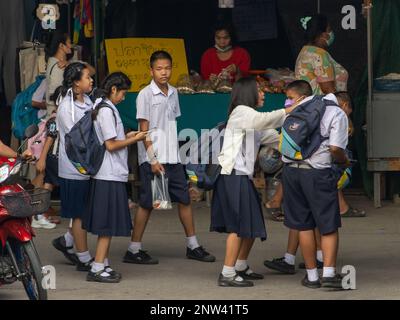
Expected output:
(318, 6)
(368, 7)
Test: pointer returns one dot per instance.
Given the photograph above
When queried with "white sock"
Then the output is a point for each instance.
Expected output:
(69, 239)
(70, 223)
(84, 257)
(134, 247)
(39, 217)
(319, 256)
(312, 274)
(230, 272)
(290, 259)
(329, 272)
(107, 265)
(192, 243)
(241, 265)
(96, 267)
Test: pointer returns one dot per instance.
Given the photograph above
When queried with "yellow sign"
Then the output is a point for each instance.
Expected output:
(132, 56)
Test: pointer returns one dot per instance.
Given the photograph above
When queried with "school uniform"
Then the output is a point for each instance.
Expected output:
(74, 186)
(310, 187)
(161, 111)
(108, 212)
(236, 205)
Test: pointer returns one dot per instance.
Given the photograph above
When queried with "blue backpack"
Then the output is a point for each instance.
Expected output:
(301, 132)
(204, 175)
(82, 145)
(23, 114)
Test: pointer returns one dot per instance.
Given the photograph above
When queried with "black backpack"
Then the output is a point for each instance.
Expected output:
(82, 145)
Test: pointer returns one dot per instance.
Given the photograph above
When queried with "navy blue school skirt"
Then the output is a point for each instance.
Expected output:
(73, 195)
(236, 207)
(108, 212)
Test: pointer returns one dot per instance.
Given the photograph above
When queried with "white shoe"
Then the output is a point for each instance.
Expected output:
(42, 223)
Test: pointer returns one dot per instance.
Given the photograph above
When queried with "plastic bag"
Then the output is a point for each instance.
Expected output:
(159, 189)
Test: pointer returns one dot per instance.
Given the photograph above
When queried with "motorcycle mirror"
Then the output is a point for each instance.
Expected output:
(31, 131)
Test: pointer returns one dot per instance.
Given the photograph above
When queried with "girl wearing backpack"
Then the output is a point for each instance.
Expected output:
(108, 213)
(236, 206)
(73, 102)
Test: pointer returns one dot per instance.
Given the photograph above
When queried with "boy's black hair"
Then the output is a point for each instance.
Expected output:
(315, 27)
(159, 55)
(343, 96)
(302, 87)
(244, 92)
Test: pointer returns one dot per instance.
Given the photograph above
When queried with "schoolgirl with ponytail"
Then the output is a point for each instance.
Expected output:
(72, 101)
(108, 213)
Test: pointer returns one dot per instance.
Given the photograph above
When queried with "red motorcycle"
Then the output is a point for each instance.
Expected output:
(19, 259)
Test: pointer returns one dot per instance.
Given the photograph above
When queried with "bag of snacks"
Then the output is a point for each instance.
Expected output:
(159, 189)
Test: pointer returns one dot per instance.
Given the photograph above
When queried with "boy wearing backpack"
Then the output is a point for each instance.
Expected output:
(157, 108)
(310, 186)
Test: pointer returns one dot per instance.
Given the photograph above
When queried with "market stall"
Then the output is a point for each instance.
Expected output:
(199, 111)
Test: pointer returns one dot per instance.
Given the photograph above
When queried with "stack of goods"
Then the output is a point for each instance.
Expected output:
(185, 85)
(274, 80)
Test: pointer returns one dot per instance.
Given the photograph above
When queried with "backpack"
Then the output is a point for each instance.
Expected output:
(82, 145)
(204, 175)
(36, 143)
(301, 131)
(23, 114)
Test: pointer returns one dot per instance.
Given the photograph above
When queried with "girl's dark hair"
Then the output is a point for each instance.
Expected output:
(315, 27)
(116, 79)
(228, 28)
(244, 92)
(53, 43)
(72, 73)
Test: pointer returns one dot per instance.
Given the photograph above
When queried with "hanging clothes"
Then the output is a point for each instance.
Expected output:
(83, 18)
(12, 34)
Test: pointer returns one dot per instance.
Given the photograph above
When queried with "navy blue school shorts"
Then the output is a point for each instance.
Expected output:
(177, 184)
(310, 199)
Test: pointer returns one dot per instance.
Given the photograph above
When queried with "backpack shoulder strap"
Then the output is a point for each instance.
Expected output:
(105, 105)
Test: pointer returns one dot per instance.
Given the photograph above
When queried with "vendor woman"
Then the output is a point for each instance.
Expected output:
(224, 57)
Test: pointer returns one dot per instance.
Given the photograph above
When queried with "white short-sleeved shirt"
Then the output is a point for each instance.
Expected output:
(40, 96)
(108, 125)
(64, 124)
(161, 111)
(334, 127)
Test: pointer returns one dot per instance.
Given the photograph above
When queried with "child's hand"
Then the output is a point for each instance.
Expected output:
(157, 168)
(131, 134)
(28, 156)
(141, 135)
(41, 165)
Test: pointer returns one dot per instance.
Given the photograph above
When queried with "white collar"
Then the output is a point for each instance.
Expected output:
(156, 90)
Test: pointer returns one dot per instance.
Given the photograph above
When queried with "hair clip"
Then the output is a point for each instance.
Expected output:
(304, 22)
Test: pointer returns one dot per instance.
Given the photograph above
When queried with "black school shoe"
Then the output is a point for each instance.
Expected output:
(113, 273)
(250, 276)
(233, 282)
(141, 257)
(320, 265)
(80, 266)
(311, 284)
(279, 264)
(60, 244)
(199, 254)
(97, 277)
(332, 282)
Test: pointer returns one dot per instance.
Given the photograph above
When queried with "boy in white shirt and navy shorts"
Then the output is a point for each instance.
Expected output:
(311, 198)
(157, 109)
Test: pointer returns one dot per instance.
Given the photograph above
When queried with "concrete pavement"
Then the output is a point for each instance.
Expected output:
(371, 244)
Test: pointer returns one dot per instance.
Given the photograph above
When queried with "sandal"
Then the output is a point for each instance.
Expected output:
(353, 213)
(275, 213)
